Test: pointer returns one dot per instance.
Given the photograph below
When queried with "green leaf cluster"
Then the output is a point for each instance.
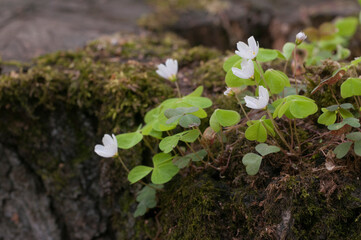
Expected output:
(168, 143)
(342, 149)
(294, 106)
(146, 199)
(276, 81)
(182, 162)
(258, 130)
(253, 161)
(329, 115)
(353, 122)
(184, 113)
(163, 170)
(223, 118)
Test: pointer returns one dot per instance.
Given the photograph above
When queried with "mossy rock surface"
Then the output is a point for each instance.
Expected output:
(56, 110)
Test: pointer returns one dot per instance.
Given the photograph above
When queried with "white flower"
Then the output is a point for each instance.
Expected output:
(247, 70)
(250, 51)
(228, 91)
(300, 37)
(260, 102)
(169, 70)
(109, 147)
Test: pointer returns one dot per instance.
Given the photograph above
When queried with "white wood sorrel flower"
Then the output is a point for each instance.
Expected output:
(228, 91)
(169, 70)
(260, 102)
(247, 70)
(249, 51)
(109, 147)
(300, 37)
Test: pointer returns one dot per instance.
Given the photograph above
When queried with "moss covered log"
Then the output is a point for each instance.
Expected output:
(54, 112)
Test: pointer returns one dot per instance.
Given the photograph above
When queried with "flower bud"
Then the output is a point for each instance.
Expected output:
(300, 37)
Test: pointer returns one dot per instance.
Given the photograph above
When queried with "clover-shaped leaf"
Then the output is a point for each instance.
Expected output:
(164, 169)
(342, 149)
(252, 162)
(225, 118)
(351, 87)
(182, 162)
(189, 136)
(129, 140)
(138, 173)
(265, 149)
(327, 117)
(276, 80)
(189, 120)
(147, 199)
(353, 122)
(168, 143)
(355, 136)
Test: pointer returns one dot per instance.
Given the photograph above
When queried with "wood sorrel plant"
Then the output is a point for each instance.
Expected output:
(180, 143)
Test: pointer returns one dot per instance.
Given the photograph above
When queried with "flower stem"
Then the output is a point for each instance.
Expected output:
(278, 131)
(148, 145)
(295, 68)
(244, 111)
(204, 145)
(123, 165)
(296, 134)
(178, 89)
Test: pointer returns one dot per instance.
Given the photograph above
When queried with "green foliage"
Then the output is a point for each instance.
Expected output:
(327, 117)
(166, 116)
(265, 149)
(138, 173)
(276, 81)
(342, 149)
(182, 162)
(329, 40)
(329, 114)
(129, 140)
(253, 161)
(223, 118)
(351, 87)
(353, 122)
(294, 106)
(259, 129)
(146, 199)
(164, 169)
(346, 26)
(230, 62)
(189, 121)
(288, 49)
(267, 55)
(168, 143)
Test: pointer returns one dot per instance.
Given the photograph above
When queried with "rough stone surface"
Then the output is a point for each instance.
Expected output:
(31, 28)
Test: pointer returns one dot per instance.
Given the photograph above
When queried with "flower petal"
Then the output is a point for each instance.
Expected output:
(103, 151)
(251, 102)
(239, 73)
(107, 140)
(253, 46)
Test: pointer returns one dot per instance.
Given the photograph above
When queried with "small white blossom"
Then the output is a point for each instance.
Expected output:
(169, 70)
(228, 91)
(249, 51)
(300, 37)
(109, 147)
(247, 70)
(260, 102)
